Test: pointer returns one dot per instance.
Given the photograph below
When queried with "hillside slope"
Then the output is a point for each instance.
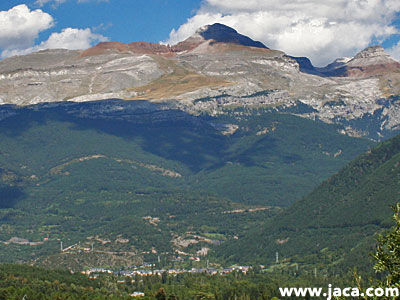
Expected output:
(335, 223)
(136, 181)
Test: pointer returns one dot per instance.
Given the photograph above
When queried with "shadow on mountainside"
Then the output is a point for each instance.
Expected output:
(9, 196)
(170, 134)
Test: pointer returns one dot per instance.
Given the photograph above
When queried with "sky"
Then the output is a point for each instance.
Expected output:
(320, 30)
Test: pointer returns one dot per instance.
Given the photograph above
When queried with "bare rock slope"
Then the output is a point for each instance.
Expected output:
(212, 70)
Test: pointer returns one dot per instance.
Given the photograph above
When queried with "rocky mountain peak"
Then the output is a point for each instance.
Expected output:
(372, 56)
(216, 27)
(225, 34)
(215, 33)
(338, 62)
(369, 62)
(373, 51)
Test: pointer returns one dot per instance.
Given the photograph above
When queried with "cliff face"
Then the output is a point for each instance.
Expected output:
(218, 64)
(371, 61)
(60, 75)
(139, 69)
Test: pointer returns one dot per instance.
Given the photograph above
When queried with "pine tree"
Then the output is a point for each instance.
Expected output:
(161, 295)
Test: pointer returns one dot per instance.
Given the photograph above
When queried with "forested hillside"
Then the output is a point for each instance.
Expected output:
(18, 282)
(335, 224)
(137, 183)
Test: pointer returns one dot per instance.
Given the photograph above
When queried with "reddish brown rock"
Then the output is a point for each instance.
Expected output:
(369, 62)
(208, 37)
(105, 47)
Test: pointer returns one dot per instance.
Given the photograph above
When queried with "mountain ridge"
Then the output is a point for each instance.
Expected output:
(371, 61)
(164, 181)
(148, 150)
(218, 64)
(215, 33)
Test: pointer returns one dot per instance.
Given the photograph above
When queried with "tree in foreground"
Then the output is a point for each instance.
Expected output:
(387, 258)
(388, 254)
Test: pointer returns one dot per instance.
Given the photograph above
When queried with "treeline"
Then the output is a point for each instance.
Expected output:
(31, 283)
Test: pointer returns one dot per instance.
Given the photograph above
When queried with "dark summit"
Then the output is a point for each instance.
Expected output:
(224, 34)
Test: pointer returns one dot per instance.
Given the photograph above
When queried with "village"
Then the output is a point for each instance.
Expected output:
(146, 270)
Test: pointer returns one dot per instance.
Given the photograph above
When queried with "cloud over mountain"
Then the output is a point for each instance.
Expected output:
(69, 38)
(395, 51)
(321, 30)
(21, 27)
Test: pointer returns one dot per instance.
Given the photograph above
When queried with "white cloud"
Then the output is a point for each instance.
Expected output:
(102, 27)
(73, 39)
(43, 2)
(69, 38)
(20, 26)
(55, 3)
(320, 30)
(395, 51)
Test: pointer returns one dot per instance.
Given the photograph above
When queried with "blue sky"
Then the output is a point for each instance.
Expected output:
(120, 20)
(126, 20)
(394, 39)
(320, 30)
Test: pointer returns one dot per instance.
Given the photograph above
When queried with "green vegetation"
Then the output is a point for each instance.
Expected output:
(387, 255)
(25, 282)
(275, 159)
(19, 282)
(37, 284)
(81, 190)
(92, 176)
(334, 224)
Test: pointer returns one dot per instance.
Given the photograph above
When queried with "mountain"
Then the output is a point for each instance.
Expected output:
(337, 63)
(369, 62)
(207, 36)
(121, 153)
(305, 65)
(336, 223)
(215, 68)
(217, 33)
(136, 180)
